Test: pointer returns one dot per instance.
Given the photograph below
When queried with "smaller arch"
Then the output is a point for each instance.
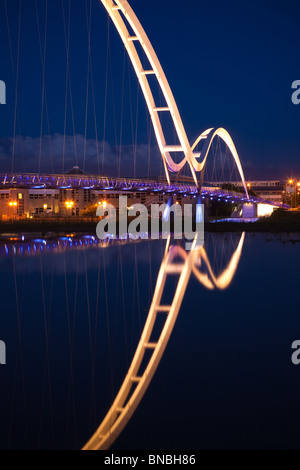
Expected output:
(224, 280)
(209, 136)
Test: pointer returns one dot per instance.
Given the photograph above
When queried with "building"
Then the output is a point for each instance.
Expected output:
(76, 194)
(272, 190)
(30, 203)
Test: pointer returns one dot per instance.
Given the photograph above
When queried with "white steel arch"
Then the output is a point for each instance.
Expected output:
(176, 262)
(121, 13)
(209, 136)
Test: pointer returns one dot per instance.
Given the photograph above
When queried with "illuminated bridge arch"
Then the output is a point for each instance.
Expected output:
(123, 17)
(209, 135)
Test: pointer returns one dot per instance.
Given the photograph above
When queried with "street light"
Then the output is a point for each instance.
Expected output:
(13, 204)
(69, 204)
(296, 185)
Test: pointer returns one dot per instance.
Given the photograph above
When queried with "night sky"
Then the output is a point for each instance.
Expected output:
(229, 64)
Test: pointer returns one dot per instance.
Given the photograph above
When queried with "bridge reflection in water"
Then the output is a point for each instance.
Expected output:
(176, 262)
(177, 266)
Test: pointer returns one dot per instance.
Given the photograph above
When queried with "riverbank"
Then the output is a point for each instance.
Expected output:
(279, 221)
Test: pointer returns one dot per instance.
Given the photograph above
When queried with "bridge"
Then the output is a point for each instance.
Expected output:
(176, 263)
(123, 185)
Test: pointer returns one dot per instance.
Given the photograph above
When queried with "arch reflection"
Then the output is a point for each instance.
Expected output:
(176, 262)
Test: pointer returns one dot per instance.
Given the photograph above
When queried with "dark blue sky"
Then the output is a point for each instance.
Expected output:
(229, 64)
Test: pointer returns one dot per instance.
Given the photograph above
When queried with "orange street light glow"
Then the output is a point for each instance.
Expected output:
(69, 204)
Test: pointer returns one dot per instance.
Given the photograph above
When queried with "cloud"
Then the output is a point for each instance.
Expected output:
(60, 153)
(57, 154)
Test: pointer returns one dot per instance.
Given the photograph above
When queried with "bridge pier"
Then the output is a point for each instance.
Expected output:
(249, 210)
(206, 210)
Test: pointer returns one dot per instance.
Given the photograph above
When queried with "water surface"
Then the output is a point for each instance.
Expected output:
(72, 312)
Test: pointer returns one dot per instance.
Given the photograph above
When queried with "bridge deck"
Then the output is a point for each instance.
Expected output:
(93, 182)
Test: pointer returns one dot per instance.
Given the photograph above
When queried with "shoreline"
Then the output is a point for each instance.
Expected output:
(90, 227)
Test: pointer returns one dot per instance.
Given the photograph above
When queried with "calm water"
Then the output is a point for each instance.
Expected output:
(71, 316)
